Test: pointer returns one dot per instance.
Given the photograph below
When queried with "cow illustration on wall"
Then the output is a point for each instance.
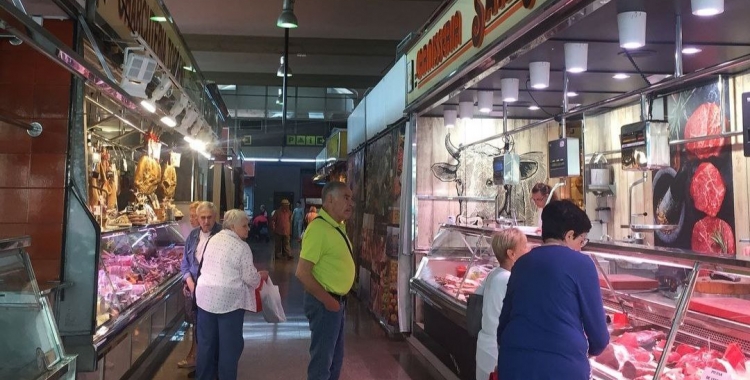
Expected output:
(473, 177)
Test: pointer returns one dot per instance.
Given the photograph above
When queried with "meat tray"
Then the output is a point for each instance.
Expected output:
(733, 309)
(628, 282)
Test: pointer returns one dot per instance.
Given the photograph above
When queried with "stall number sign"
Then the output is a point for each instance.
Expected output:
(714, 374)
(301, 140)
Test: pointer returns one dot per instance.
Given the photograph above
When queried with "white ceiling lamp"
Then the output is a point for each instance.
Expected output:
(706, 8)
(179, 105)
(690, 50)
(168, 121)
(485, 101)
(165, 84)
(539, 73)
(450, 115)
(576, 57)
(621, 76)
(534, 108)
(466, 109)
(282, 66)
(509, 87)
(287, 19)
(572, 94)
(632, 29)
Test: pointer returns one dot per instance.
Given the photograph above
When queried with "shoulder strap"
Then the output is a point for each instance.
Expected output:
(203, 257)
(348, 245)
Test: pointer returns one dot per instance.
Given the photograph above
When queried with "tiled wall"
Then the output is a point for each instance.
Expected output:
(32, 170)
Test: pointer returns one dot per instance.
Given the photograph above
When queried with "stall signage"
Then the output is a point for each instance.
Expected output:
(302, 140)
(460, 34)
(134, 16)
(714, 374)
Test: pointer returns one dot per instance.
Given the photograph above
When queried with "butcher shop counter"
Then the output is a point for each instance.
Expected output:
(693, 306)
(137, 299)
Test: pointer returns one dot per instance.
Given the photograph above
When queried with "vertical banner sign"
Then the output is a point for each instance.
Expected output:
(460, 34)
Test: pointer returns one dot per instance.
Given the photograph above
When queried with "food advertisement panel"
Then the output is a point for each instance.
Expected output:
(696, 192)
(375, 184)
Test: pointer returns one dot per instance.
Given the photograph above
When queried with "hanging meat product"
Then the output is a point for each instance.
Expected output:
(147, 175)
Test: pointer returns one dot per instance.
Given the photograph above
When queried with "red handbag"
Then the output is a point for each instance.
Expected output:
(493, 375)
(258, 302)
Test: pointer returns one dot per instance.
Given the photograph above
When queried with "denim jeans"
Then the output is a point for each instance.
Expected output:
(326, 341)
(220, 344)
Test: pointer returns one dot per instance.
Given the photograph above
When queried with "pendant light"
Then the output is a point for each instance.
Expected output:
(509, 87)
(450, 115)
(706, 8)
(539, 73)
(287, 19)
(466, 109)
(632, 29)
(576, 57)
(485, 100)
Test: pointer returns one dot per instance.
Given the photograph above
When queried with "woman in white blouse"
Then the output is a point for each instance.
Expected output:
(226, 286)
(508, 245)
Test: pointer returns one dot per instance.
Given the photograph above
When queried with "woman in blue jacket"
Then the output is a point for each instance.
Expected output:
(553, 318)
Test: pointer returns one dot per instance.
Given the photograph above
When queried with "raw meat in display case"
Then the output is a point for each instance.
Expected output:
(133, 264)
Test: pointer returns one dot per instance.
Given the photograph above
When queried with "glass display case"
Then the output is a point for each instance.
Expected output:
(672, 314)
(135, 264)
(31, 347)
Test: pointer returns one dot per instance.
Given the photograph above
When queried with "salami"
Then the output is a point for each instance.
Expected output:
(705, 121)
(708, 189)
(713, 236)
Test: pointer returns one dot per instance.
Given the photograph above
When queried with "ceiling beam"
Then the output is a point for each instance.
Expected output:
(298, 80)
(297, 45)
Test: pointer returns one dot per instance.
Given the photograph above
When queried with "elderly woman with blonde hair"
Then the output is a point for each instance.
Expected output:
(508, 245)
(227, 281)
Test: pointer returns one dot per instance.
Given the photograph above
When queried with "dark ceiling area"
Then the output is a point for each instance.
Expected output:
(720, 38)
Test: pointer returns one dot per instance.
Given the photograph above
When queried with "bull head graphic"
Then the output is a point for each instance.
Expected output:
(472, 174)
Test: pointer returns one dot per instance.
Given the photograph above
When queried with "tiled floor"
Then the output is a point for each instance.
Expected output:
(276, 352)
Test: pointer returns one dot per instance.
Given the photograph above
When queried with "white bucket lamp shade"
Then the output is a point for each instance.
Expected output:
(466, 109)
(576, 57)
(705, 8)
(485, 101)
(287, 19)
(632, 29)
(509, 87)
(282, 66)
(539, 73)
(449, 117)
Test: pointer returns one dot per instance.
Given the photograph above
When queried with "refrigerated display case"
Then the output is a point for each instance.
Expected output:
(695, 308)
(125, 295)
(31, 347)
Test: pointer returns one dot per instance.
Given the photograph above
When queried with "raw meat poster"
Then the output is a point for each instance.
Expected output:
(696, 193)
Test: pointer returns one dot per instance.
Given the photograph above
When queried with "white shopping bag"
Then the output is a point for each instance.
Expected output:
(273, 312)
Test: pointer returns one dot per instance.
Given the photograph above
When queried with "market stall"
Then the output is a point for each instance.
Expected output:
(591, 100)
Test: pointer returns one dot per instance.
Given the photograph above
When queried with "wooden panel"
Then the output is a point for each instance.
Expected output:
(741, 169)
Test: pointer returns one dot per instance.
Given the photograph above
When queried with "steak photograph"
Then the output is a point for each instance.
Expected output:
(713, 236)
(705, 121)
(707, 189)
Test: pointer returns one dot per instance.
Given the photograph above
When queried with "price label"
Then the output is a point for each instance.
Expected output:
(715, 374)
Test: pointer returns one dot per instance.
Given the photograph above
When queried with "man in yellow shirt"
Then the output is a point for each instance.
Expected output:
(326, 269)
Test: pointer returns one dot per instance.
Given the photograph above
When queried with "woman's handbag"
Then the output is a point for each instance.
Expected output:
(273, 311)
(474, 314)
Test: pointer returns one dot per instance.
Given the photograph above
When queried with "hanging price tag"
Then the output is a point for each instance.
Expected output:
(174, 159)
(715, 374)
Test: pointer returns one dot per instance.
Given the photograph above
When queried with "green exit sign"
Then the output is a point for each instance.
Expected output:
(305, 140)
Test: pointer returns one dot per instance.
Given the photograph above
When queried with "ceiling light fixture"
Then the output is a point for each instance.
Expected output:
(632, 29)
(466, 109)
(572, 94)
(576, 57)
(168, 121)
(287, 19)
(261, 159)
(189, 68)
(485, 101)
(280, 71)
(691, 50)
(706, 8)
(509, 87)
(299, 160)
(539, 73)
(148, 105)
(534, 108)
(158, 19)
(450, 115)
(621, 76)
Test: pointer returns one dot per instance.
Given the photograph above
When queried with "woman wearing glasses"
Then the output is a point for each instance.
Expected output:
(553, 318)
